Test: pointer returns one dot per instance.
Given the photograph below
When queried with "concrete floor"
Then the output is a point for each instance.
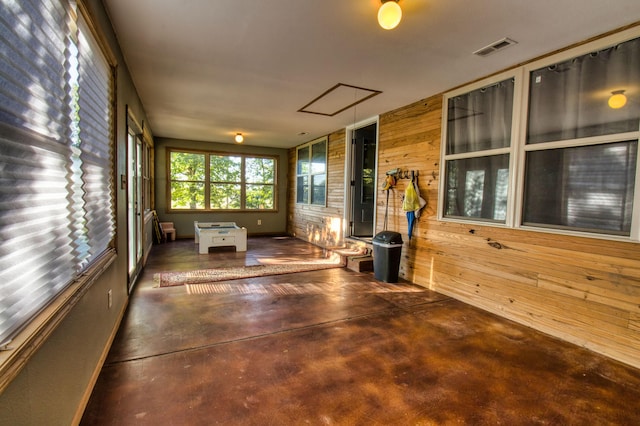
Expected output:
(356, 353)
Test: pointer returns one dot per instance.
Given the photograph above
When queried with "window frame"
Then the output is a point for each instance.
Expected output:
(147, 172)
(207, 180)
(519, 148)
(34, 331)
(511, 150)
(310, 174)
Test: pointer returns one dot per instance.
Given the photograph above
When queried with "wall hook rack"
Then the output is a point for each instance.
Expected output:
(408, 174)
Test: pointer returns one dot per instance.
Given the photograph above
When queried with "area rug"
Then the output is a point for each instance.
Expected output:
(169, 279)
(284, 289)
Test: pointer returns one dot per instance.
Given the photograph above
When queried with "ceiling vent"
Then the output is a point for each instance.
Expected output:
(494, 47)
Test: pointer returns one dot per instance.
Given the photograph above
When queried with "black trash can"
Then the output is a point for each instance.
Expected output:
(387, 248)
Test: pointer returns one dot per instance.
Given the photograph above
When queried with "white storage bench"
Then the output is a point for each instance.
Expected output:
(219, 234)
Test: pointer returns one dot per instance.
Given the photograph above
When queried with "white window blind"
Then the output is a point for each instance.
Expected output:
(56, 213)
(95, 145)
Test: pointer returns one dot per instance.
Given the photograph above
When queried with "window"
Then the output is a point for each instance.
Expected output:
(478, 152)
(226, 181)
(581, 154)
(573, 156)
(586, 188)
(147, 155)
(219, 181)
(311, 173)
(187, 171)
(56, 205)
(259, 175)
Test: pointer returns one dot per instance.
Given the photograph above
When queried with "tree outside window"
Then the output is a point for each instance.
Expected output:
(226, 179)
(260, 178)
(187, 174)
(218, 181)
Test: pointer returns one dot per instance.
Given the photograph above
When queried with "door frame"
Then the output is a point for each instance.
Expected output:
(134, 183)
(349, 173)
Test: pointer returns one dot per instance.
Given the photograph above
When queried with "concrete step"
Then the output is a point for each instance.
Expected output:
(362, 263)
(356, 255)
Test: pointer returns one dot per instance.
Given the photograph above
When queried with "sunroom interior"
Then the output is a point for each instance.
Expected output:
(118, 114)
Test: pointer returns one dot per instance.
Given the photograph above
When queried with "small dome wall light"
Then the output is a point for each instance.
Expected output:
(617, 99)
(389, 14)
(239, 138)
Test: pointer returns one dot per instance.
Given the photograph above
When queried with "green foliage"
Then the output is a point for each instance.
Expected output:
(226, 196)
(187, 180)
(187, 195)
(225, 168)
(230, 176)
(260, 170)
(259, 197)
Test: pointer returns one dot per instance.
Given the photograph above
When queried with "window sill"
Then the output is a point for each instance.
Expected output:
(192, 211)
(35, 334)
(553, 231)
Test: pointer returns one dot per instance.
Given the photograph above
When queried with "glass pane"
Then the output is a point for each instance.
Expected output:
(225, 168)
(318, 190)
(480, 120)
(586, 188)
(569, 100)
(368, 186)
(303, 161)
(260, 170)
(302, 189)
(368, 171)
(477, 188)
(225, 196)
(318, 158)
(187, 166)
(187, 195)
(259, 197)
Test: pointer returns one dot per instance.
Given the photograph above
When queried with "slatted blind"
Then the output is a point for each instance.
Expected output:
(54, 218)
(96, 150)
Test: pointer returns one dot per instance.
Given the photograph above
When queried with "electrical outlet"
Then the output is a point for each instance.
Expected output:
(259, 221)
(109, 299)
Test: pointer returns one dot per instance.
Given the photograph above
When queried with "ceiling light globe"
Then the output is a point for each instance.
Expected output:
(239, 138)
(617, 100)
(389, 15)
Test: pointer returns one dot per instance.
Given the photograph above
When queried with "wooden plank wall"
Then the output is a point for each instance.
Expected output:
(320, 225)
(583, 290)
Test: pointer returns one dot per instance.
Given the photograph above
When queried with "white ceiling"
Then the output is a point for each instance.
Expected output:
(207, 69)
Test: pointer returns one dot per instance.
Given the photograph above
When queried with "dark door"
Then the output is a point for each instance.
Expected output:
(363, 183)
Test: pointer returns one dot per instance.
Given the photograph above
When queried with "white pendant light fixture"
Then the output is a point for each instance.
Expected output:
(389, 14)
(239, 138)
(617, 99)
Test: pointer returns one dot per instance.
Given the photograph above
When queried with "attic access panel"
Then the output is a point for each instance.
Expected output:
(337, 99)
